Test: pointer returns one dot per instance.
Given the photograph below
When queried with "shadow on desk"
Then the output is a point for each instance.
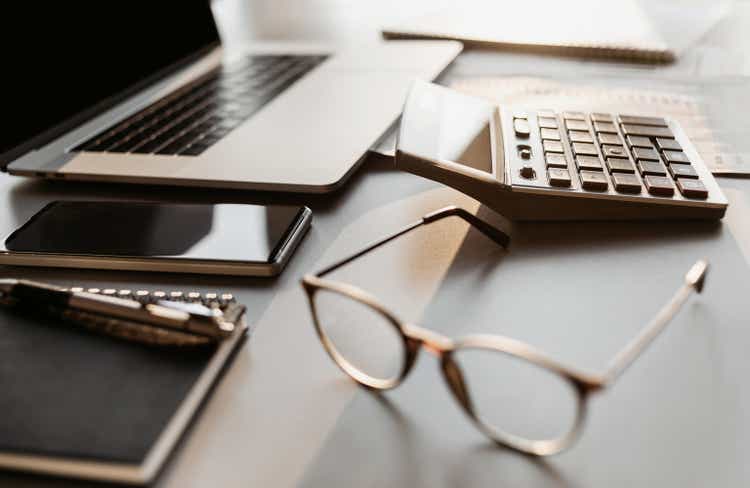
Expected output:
(389, 450)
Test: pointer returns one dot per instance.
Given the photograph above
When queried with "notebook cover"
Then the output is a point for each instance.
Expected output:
(69, 393)
(584, 27)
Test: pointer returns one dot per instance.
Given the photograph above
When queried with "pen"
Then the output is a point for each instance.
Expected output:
(182, 317)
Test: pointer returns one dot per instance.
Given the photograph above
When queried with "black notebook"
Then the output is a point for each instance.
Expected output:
(76, 403)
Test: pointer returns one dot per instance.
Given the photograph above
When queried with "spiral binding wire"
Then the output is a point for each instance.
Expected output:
(145, 333)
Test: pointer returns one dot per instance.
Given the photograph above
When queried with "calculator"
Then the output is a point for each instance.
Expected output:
(553, 164)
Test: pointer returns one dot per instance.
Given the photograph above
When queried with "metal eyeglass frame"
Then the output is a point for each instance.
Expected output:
(415, 338)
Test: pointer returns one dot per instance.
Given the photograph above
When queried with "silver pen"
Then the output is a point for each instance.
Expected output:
(121, 317)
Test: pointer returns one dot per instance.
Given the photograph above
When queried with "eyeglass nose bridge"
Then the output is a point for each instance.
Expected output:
(434, 343)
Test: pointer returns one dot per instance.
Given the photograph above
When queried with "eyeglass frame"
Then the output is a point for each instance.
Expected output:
(416, 338)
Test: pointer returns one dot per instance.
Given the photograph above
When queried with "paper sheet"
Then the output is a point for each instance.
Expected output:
(683, 103)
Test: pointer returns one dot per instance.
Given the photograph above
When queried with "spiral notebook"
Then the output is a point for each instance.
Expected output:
(80, 404)
(592, 28)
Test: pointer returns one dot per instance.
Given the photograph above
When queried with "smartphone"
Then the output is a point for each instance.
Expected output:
(232, 239)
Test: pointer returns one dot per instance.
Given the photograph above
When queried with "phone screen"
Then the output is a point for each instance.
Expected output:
(233, 232)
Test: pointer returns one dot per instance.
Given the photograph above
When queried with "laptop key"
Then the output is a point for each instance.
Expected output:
(194, 150)
(128, 144)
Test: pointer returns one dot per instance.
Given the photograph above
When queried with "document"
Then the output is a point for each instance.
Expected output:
(697, 109)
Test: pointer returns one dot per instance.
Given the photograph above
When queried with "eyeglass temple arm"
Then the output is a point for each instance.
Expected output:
(485, 228)
(694, 280)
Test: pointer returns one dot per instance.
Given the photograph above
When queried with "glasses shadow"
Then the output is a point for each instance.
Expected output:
(483, 464)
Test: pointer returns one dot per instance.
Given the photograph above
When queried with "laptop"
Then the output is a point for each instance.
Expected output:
(142, 92)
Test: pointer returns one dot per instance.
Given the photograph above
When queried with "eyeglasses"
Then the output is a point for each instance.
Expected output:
(515, 394)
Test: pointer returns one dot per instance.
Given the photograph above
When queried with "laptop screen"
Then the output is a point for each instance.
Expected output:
(63, 62)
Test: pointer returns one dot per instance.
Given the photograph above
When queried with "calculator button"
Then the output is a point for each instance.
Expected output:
(580, 136)
(555, 160)
(645, 154)
(548, 122)
(558, 177)
(678, 157)
(625, 183)
(584, 148)
(551, 134)
(682, 171)
(574, 115)
(520, 115)
(692, 188)
(637, 119)
(614, 151)
(639, 141)
(647, 131)
(521, 126)
(552, 146)
(619, 165)
(596, 117)
(659, 185)
(605, 127)
(605, 138)
(668, 145)
(576, 125)
(546, 113)
(595, 181)
(588, 163)
(527, 172)
(652, 168)
(524, 151)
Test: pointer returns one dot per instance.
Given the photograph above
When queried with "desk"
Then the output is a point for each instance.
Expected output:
(284, 416)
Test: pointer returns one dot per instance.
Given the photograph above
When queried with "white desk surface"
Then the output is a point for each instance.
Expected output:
(284, 415)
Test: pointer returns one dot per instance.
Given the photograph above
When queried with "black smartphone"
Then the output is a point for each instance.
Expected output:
(234, 239)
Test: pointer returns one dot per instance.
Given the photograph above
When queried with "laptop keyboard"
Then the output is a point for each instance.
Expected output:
(196, 116)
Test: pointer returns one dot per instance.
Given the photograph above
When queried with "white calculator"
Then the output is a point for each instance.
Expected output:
(545, 164)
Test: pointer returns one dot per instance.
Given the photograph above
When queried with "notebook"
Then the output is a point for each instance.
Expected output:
(81, 404)
(583, 27)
